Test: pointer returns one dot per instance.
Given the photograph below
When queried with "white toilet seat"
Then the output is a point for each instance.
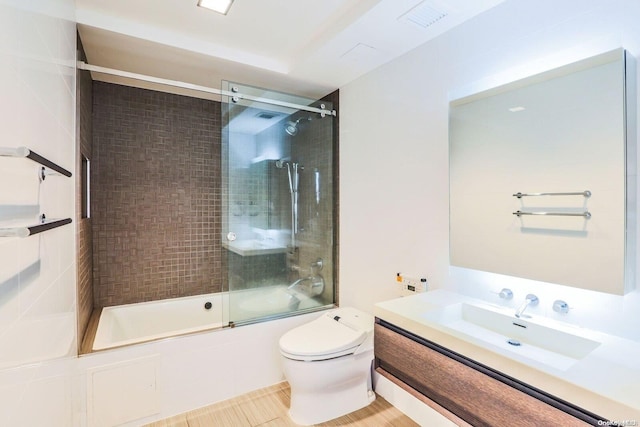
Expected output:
(336, 333)
(319, 357)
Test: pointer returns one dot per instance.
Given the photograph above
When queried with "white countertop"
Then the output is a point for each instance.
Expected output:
(606, 381)
(255, 247)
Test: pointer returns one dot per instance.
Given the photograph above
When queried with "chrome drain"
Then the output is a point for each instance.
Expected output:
(514, 342)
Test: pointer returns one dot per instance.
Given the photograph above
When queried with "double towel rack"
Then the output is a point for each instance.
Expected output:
(44, 224)
(585, 214)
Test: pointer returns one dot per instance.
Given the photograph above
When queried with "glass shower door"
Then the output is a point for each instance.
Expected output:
(278, 221)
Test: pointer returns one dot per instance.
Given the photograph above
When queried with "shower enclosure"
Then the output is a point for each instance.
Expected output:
(277, 203)
(206, 214)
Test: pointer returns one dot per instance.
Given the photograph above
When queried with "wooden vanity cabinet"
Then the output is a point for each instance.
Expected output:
(463, 390)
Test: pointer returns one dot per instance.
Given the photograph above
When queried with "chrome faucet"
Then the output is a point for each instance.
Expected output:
(531, 300)
(315, 287)
(297, 282)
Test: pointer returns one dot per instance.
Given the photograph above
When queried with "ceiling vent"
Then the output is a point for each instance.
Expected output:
(423, 15)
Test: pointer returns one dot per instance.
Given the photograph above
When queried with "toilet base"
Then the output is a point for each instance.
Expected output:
(324, 390)
(324, 408)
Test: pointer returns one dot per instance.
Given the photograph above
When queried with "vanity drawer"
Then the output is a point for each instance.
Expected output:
(460, 387)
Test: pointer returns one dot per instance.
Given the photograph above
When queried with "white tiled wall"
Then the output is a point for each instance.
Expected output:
(37, 274)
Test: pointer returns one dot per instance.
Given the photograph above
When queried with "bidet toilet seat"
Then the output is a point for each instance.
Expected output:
(327, 363)
(336, 333)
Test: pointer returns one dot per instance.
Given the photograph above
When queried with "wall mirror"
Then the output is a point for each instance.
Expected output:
(542, 176)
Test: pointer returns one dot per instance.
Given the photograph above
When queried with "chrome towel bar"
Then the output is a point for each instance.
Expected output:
(32, 155)
(586, 193)
(586, 215)
(33, 229)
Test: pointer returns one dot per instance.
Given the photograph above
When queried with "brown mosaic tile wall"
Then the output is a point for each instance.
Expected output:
(155, 195)
(314, 148)
(84, 234)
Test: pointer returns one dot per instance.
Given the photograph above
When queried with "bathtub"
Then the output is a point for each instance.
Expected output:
(147, 321)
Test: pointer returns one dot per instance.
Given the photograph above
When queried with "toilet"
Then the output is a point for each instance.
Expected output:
(327, 363)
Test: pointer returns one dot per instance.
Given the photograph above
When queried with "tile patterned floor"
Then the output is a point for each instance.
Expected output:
(268, 408)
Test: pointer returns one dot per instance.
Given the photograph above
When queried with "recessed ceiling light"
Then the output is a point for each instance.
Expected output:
(220, 6)
(516, 109)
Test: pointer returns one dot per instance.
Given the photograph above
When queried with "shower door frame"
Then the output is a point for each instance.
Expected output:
(233, 95)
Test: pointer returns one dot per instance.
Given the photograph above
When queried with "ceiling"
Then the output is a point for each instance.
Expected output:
(306, 47)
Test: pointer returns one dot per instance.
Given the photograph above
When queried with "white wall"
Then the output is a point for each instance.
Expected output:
(37, 274)
(394, 202)
(394, 149)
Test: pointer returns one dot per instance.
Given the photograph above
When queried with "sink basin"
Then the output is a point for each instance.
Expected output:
(547, 344)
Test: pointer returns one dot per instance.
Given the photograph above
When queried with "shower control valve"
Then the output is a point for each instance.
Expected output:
(318, 264)
(561, 307)
(506, 293)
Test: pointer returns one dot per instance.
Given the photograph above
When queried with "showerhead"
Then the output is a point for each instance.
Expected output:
(292, 127)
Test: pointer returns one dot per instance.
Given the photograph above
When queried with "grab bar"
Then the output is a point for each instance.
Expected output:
(33, 229)
(32, 155)
(586, 215)
(585, 193)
